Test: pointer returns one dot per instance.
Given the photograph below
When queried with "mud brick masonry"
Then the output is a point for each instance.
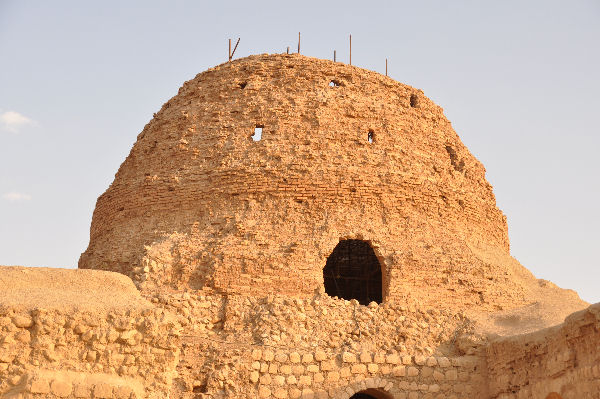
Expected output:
(289, 227)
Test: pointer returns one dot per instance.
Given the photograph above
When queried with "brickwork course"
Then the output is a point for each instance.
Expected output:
(290, 227)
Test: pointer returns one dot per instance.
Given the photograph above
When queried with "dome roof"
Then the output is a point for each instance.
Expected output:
(344, 153)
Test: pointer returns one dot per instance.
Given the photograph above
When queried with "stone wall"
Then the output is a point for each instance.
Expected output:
(55, 343)
(238, 346)
(558, 362)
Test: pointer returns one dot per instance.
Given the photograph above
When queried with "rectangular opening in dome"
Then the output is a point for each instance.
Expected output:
(257, 133)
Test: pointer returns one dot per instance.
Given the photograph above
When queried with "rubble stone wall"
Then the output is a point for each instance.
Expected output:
(75, 355)
(238, 346)
(559, 362)
(82, 334)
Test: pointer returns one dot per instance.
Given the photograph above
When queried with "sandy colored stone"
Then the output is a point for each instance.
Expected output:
(61, 388)
(264, 392)
(222, 241)
(41, 386)
(66, 289)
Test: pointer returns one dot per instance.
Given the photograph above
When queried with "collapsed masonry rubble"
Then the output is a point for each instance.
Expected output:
(353, 250)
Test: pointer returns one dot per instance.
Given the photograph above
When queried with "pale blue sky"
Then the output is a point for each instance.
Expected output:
(518, 79)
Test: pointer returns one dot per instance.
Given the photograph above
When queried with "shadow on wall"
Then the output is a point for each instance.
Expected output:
(553, 395)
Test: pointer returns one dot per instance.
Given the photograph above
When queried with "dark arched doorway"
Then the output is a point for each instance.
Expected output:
(371, 394)
(353, 271)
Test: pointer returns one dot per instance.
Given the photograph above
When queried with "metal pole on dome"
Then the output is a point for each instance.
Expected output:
(350, 49)
(229, 53)
(235, 48)
(386, 67)
(298, 42)
(334, 60)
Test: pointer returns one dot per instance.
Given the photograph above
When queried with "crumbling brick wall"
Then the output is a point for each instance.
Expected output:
(562, 360)
(55, 344)
(198, 203)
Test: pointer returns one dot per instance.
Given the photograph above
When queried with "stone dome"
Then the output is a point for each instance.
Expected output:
(254, 175)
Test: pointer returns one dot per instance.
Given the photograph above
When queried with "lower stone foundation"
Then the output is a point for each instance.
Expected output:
(561, 362)
(210, 345)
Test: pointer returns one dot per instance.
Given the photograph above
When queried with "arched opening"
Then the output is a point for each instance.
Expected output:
(371, 394)
(353, 271)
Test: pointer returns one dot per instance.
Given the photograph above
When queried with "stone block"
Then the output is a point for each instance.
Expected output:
(348, 357)
(285, 369)
(327, 365)
(256, 354)
(280, 393)
(451, 375)
(320, 355)
(40, 385)
(305, 380)
(393, 358)
(312, 368)
(431, 361)
(298, 369)
(264, 392)
(279, 380)
(61, 388)
(420, 360)
(82, 391)
(103, 390)
(268, 355)
(333, 376)
(365, 357)
(123, 392)
(281, 357)
(379, 357)
(22, 321)
(444, 362)
(295, 357)
(358, 368)
(426, 372)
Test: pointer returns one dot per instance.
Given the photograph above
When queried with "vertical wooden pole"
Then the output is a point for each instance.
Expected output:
(334, 60)
(350, 49)
(229, 55)
(288, 49)
(298, 42)
(386, 67)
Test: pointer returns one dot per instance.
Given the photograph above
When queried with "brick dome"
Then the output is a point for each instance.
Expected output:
(344, 154)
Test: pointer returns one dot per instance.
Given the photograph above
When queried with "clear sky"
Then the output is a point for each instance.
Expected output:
(520, 81)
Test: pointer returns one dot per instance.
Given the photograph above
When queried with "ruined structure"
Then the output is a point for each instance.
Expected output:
(299, 228)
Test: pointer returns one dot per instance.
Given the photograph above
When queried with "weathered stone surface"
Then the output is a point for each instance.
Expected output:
(227, 239)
